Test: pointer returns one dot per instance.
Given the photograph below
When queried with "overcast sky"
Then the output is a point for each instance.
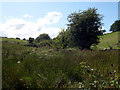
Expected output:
(28, 19)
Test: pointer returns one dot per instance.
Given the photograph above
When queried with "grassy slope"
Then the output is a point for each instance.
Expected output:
(14, 41)
(108, 40)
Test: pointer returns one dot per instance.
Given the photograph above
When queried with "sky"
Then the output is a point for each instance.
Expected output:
(30, 19)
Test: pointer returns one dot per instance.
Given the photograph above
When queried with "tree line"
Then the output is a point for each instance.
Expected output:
(83, 30)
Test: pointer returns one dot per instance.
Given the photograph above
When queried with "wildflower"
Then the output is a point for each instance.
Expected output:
(95, 81)
(117, 82)
(112, 84)
(88, 66)
(92, 69)
(85, 66)
(114, 71)
(18, 62)
(84, 62)
(93, 84)
(81, 85)
(116, 74)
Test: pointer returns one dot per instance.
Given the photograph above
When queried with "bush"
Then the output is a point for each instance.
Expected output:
(24, 39)
(31, 40)
(18, 38)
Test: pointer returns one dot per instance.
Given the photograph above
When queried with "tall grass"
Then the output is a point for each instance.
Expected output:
(26, 67)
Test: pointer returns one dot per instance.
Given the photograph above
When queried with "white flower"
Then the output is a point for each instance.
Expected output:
(18, 62)
(88, 66)
(95, 81)
(81, 85)
(91, 69)
(85, 66)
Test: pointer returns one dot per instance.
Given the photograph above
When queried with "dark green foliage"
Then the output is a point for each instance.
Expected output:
(31, 40)
(24, 39)
(62, 40)
(85, 28)
(44, 43)
(18, 38)
(43, 37)
(103, 31)
(115, 26)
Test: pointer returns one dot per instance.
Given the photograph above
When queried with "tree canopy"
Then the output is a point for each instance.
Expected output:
(31, 40)
(85, 27)
(115, 26)
(43, 36)
(62, 39)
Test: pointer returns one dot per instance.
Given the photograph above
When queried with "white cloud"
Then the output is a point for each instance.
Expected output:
(27, 16)
(50, 18)
(53, 17)
(18, 27)
(51, 31)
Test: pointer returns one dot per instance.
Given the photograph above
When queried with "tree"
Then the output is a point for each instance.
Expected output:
(24, 39)
(17, 38)
(63, 39)
(45, 43)
(31, 40)
(43, 37)
(115, 26)
(85, 27)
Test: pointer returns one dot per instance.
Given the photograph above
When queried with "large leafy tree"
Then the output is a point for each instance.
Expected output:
(43, 36)
(85, 27)
(63, 38)
(115, 26)
(31, 40)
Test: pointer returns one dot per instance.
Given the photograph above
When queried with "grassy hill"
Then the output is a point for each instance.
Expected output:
(14, 41)
(109, 40)
(44, 67)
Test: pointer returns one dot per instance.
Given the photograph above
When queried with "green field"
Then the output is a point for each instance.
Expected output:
(109, 40)
(44, 67)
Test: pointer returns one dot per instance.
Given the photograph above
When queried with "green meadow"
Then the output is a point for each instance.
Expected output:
(45, 67)
(109, 40)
